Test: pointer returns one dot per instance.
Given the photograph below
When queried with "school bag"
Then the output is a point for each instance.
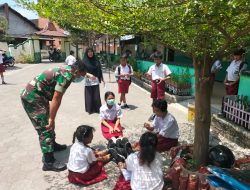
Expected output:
(119, 72)
(242, 64)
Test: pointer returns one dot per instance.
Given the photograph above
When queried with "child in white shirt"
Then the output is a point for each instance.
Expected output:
(165, 126)
(144, 166)
(84, 168)
(110, 114)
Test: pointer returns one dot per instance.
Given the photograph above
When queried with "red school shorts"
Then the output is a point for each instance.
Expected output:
(158, 90)
(123, 86)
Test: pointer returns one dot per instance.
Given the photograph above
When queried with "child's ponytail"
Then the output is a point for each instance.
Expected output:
(148, 144)
(82, 132)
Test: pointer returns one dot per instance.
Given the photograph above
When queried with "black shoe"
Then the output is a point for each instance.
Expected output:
(128, 148)
(54, 166)
(111, 144)
(122, 152)
(125, 106)
(59, 147)
(115, 156)
(124, 141)
(4, 82)
(152, 117)
(119, 143)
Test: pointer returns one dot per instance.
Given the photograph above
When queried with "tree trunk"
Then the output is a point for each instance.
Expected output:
(203, 91)
(77, 49)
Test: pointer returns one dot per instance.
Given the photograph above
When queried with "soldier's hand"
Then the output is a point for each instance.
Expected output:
(51, 125)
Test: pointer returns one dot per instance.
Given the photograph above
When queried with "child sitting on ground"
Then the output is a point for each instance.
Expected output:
(166, 126)
(110, 114)
(83, 165)
(144, 166)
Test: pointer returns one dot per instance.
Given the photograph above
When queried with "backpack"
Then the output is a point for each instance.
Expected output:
(242, 64)
(119, 72)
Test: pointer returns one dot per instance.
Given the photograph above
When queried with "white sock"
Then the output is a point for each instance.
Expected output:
(113, 139)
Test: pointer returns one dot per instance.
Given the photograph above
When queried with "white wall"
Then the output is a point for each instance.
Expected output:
(21, 50)
(18, 26)
(4, 46)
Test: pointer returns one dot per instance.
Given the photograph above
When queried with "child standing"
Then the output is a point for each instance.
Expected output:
(110, 114)
(166, 126)
(84, 168)
(145, 166)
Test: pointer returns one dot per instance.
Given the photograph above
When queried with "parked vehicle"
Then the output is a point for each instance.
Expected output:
(8, 60)
(55, 55)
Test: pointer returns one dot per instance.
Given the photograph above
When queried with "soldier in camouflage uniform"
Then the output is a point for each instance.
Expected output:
(41, 99)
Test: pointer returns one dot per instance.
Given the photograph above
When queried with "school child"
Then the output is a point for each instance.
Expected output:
(123, 73)
(110, 114)
(84, 167)
(234, 70)
(165, 125)
(144, 166)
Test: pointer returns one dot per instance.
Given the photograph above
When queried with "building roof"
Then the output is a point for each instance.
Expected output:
(50, 33)
(6, 7)
(48, 28)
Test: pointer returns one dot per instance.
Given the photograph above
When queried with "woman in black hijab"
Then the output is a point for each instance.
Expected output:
(92, 91)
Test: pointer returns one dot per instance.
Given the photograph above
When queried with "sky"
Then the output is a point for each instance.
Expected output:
(26, 13)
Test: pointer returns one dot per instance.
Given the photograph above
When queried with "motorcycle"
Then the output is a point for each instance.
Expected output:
(55, 56)
(8, 60)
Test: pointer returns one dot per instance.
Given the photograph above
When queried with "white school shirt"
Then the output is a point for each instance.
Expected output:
(80, 157)
(159, 72)
(91, 82)
(70, 60)
(167, 126)
(110, 114)
(144, 177)
(1, 57)
(233, 70)
(124, 70)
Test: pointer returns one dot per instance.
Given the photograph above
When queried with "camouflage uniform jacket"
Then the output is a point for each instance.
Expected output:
(44, 85)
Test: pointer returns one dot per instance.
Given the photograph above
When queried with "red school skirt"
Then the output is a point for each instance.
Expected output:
(123, 86)
(2, 69)
(122, 184)
(158, 90)
(95, 173)
(165, 144)
(105, 130)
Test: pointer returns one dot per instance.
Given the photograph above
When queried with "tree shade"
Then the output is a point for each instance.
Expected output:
(203, 29)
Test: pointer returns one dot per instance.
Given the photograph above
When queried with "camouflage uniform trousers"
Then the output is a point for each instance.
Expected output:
(38, 112)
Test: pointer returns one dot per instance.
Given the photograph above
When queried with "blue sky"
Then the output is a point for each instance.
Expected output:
(26, 13)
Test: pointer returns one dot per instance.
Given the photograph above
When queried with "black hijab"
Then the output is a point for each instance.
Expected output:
(93, 66)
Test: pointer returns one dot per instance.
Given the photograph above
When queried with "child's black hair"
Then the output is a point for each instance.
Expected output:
(107, 94)
(148, 143)
(79, 65)
(83, 131)
(160, 104)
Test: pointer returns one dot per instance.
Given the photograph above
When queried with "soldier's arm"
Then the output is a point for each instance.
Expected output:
(54, 105)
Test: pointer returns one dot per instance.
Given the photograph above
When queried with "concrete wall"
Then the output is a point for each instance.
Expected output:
(244, 86)
(18, 26)
(21, 50)
(4, 46)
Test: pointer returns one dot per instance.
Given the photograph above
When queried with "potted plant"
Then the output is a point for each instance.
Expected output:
(180, 83)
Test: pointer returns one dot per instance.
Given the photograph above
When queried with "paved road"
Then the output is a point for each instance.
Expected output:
(20, 156)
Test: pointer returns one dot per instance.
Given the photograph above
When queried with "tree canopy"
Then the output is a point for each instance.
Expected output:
(194, 27)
